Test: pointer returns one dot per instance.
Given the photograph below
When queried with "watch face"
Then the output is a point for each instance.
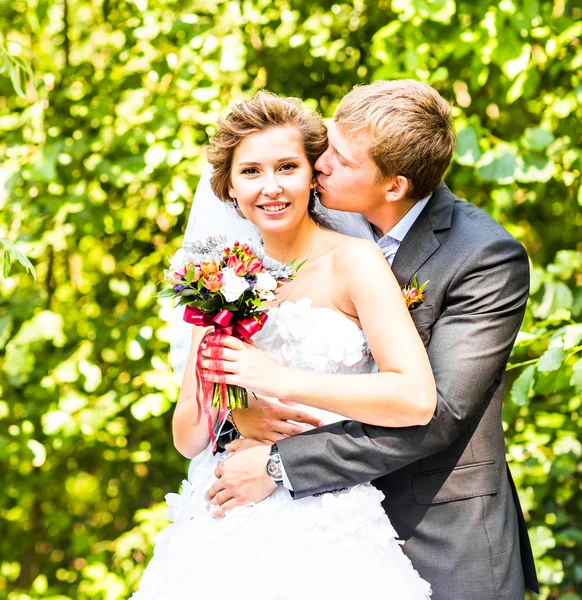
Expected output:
(274, 467)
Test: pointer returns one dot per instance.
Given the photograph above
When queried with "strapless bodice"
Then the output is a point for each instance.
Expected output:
(302, 336)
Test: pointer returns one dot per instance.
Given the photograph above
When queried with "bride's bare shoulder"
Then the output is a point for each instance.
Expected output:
(347, 249)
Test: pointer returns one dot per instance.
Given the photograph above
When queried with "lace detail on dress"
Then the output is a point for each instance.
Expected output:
(315, 339)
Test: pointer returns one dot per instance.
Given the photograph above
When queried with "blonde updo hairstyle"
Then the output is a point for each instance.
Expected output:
(263, 111)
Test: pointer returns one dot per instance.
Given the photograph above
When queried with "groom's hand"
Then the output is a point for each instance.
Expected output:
(242, 479)
(269, 421)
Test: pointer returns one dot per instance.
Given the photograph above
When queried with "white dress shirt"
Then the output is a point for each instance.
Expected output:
(356, 225)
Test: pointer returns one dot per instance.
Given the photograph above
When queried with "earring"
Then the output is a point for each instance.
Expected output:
(235, 203)
(315, 195)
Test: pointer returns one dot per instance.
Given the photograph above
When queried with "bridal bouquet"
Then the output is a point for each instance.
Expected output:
(223, 285)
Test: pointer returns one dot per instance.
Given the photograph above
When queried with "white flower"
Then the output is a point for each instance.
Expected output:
(180, 260)
(265, 283)
(268, 296)
(233, 285)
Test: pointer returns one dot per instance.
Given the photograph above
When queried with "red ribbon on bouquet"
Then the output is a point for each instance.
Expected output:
(243, 330)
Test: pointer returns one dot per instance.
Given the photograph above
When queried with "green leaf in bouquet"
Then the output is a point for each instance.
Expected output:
(298, 267)
(167, 293)
(190, 274)
(188, 292)
(522, 386)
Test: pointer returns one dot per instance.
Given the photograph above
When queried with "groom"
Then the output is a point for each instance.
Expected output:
(449, 493)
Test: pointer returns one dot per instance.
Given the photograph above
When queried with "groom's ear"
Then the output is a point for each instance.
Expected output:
(396, 188)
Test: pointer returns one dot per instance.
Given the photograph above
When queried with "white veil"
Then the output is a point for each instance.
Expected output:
(210, 216)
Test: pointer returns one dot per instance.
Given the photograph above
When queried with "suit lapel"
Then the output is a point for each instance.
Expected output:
(420, 243)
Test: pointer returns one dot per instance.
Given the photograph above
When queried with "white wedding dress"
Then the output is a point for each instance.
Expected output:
(334, 545)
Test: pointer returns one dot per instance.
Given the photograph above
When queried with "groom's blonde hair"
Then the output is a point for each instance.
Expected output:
(407, 128)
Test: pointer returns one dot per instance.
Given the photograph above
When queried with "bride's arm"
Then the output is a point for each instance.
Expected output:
(190, 439)
(401, 395)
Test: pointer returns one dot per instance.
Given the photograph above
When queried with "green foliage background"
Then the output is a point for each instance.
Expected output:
(99, 157)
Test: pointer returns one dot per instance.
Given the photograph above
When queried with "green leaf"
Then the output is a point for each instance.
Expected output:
(7, 264)
(576, 379)
(537, 139)
(467, 151)
(522, 386)
(517, 88)
(541, 539)
(572, 335)
(497, 166)
(551, 360)
(532, 168)
(513, 67)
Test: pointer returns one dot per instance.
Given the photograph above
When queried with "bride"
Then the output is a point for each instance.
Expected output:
(339, 343)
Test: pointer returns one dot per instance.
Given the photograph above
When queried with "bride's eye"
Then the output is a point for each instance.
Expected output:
(249, 171)
(288, 167)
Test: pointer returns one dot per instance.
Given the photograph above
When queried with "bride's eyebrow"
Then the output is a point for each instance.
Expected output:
(255, 164)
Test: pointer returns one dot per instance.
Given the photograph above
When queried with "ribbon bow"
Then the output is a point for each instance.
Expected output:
(223, 326)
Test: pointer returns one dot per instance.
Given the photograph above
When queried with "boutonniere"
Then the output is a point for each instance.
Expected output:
(413, 294)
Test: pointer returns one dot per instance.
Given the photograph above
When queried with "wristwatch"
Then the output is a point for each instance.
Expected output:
(274, 469)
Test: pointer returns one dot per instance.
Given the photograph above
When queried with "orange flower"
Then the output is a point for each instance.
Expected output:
(210, 267)
(413, 294)
(213, 282)
(412, 297)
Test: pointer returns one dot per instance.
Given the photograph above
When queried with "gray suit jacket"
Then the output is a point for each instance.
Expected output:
(449, 493)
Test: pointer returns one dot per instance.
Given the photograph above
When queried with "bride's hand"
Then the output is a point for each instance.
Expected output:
(269, 421)
(244, 365)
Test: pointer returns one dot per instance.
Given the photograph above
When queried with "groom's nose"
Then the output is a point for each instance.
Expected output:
(322, 165)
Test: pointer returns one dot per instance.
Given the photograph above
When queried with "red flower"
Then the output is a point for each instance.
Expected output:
(255, 265)
(239, 269)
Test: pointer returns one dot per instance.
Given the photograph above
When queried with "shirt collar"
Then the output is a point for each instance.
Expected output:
(399, 231)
